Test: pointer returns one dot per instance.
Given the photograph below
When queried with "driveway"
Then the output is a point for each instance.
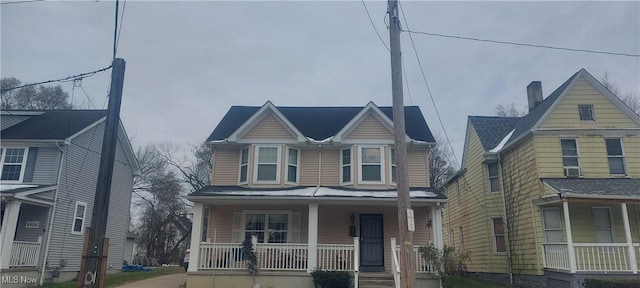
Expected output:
(166, 281)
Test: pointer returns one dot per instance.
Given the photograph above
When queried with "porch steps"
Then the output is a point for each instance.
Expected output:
(376, 280)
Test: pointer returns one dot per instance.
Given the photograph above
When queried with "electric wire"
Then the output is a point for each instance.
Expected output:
(65, 79)
(374, 26)
(21, 2)
(115, 31)
(124, 6)
(521, 44)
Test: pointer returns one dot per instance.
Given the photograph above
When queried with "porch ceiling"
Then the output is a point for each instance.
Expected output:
(596, 188)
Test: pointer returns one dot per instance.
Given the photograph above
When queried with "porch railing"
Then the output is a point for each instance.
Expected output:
(395, 265)
(25, 254)
(338, 257)
(589, 257)
(422, 265)
(282, 256)
(220, 256)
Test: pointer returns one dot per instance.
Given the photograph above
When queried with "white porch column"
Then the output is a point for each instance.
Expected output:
(196, 234)
(567, 225)
(627, 235)
(436, 227)
(8, 231)
(312, 241)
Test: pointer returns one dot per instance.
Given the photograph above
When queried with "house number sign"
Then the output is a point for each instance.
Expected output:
(32, 224)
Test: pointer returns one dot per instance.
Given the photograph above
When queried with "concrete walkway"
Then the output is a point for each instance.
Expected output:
(166, 281)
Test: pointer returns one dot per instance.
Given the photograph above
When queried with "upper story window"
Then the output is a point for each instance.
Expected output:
(267, 167)
(493, 175)
(345, 164)
(570, 159)
(78, 218)
(292, 165)
(616, 156)
(586, 112)
(371, 165)
(244, 165)
(394, 172)
(13, 162)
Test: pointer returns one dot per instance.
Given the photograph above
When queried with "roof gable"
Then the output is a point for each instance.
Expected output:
(370, 114)
(269, 127)
(492, 129)
(255, 119)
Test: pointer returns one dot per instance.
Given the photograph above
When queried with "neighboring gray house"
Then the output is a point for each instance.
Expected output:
(49, 163)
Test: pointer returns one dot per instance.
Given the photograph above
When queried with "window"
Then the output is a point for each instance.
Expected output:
(292, 165)
(244, 164)
(570, 160)
(267, 168)
(602, 224)
(78, 218)
(498, 236)
(371, 164)
(345, 163)
(552, 225)
(586, 112)
(268, 227)
(615, 156)
(494, 179)
(13, 160)
(458, 192)
(394, 172)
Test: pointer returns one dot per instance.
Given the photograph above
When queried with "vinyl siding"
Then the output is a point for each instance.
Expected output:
(418, 162)
(331, 167)
(369, 128)
(47, 164)
(309, 166)
(606, 115)
(269, 128)
(226, 165)
(31, 213)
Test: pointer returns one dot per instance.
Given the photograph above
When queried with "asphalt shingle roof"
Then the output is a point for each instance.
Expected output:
(53, 124)
(492, 129)
(595, 187)
(320, 123)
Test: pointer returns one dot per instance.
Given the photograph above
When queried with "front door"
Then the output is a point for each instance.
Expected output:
(371, 243)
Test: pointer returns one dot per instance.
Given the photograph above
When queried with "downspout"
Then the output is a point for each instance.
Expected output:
(506, 223)
(53, 211)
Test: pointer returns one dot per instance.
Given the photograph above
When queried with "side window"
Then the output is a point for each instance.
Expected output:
(393, 166)
(345, 165)
(494, 177)
(292, 165)
(244, 165)
(79, 214)
(615, 156)
(498, 236)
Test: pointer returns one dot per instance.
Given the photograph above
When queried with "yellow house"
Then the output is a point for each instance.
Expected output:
(314, 188)
(553, 197)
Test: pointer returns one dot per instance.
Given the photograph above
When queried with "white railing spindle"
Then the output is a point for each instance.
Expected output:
(25, 254)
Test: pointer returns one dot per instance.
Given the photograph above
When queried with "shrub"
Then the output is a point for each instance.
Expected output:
(331, 279)
(447, 262)
(611, 283)
(250, 258)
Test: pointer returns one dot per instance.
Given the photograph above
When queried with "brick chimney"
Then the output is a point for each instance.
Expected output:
(534, 94)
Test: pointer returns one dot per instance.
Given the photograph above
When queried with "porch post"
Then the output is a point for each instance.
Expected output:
(8, 231)
(436, 227)
(196, 234)
(627, 235)
(567, 224)
(312, 245)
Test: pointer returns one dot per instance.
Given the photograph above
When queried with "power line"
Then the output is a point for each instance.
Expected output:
(115, 32)
(124, 6)
(374, 26)
(520, 44)
(65, 79)
(21, 2)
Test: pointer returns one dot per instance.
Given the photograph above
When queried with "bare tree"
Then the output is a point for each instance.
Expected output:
(440, 168)
(37, 97)
(630, 99)
(509, 110)
(196, 169)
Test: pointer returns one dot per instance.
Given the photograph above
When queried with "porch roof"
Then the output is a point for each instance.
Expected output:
(29, 193)
(601, 188)
(306, 193)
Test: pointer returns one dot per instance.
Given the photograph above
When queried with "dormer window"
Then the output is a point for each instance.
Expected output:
(267, 168)
(586, 112)
(13, 162)
(371, 163)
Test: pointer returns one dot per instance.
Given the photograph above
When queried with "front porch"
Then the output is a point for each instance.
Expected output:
(22, 233)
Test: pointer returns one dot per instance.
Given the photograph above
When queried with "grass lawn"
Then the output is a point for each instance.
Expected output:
(473, 283)
(114, 280)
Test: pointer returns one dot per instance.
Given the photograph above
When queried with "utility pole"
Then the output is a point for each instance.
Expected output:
(93, 270)
(405, 214)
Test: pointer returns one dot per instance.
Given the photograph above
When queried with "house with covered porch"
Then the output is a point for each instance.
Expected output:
(551, 198)
(315, 188)
(49, 167)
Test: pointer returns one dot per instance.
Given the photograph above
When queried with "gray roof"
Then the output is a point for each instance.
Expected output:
(595, 187)
(52, 124)
(492, 129)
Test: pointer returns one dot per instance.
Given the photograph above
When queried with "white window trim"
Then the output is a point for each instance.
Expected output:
(577, 157)
(391, 165)
(22, 168)
(240, 182)
(623, 156)
(489, 177)
(382, 165)
(593, 112)
(494, 235)
(266, 221)
(256, 158)
(613, 226)
(342, 165)
(84, 218)
(297, 165)
(545, 229)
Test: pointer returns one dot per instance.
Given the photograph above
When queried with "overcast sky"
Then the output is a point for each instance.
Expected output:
(188, 62)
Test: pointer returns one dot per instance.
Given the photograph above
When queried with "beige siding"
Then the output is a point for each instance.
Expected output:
(269, 128)
(606, 115)
(309, 167)
(369, 128)
(226, 162)
(418, 162)
(331, 167)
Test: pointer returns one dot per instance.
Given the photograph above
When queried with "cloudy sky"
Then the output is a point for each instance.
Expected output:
(188, 62)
